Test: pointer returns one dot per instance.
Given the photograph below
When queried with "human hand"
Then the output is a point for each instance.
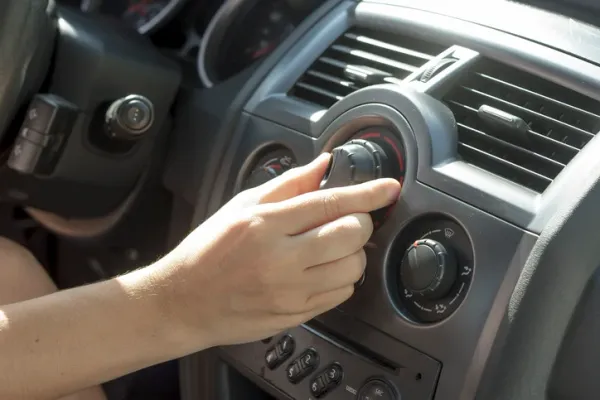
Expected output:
(272, 258)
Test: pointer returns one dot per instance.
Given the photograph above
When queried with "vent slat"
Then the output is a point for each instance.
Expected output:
(538, 95)
(557, 145)
(544, 161)
(359, 58)
(387, 46)
(535, 114)
(518, 174)
(365, 56)
(561, 122)
(332, 79)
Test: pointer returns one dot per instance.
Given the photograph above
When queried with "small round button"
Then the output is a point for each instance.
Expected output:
(376, 390)
(135, 114)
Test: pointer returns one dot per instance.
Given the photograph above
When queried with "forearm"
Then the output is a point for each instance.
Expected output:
(70, 340)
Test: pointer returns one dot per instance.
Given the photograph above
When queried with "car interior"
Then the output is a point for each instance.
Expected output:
(124, 124)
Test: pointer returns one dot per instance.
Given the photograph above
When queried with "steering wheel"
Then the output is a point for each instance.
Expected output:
(27, 32)
(87, 100)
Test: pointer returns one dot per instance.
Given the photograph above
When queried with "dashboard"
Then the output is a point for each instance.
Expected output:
(238, 34)
(482, 280)
(490, 123)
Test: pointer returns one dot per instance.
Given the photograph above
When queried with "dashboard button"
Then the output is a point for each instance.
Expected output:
(272, 359)
(309, 360)
(326, 381)
(318, 388)
(333, 375)
(286, 346)
(49, 114)
(294, 372)
(376, 390)
(303, 366)
(278, 354)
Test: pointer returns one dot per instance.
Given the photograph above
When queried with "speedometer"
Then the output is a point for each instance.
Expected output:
(143, 15)
(245, 31)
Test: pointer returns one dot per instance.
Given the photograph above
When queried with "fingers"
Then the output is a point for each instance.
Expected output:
(334, 240)
(337, 274)
(296, 181)
(309, 210)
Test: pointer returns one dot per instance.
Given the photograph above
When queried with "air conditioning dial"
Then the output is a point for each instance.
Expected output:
(371, 154)
(428, 268)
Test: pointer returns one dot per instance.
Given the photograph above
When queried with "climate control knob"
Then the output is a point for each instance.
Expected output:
(356, 162)
(428, 268)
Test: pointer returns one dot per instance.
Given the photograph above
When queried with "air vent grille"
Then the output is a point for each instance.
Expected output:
(361, 58)
(560, 122)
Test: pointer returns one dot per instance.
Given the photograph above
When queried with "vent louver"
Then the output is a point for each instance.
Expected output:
(361, 58)
(556, 123)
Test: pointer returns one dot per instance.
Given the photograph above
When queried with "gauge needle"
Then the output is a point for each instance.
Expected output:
(90, 5)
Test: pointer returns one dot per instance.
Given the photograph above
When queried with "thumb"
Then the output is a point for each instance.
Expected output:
(296, 181)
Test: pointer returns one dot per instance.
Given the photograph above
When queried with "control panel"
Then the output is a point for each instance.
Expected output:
(432, 267)
(307, 364)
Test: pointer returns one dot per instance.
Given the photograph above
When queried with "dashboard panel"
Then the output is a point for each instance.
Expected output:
(495, 122)
(488, 116)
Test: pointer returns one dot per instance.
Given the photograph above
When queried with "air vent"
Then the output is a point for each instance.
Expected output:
(519, 126)
(361, 58)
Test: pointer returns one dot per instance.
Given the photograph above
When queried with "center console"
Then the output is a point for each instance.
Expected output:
(487, 132)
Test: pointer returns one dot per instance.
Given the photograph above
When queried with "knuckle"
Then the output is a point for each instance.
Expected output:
(357, 264)
(346, 293)
(331, 206)
(358, 230)
(294, 320)
(372, 197)
(366, 227)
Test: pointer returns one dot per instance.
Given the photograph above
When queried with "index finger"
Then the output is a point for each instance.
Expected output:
(310, 210)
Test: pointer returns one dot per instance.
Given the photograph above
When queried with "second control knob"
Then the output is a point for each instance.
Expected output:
(428, 268)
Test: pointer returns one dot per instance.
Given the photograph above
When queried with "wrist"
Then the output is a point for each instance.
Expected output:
(166, 299)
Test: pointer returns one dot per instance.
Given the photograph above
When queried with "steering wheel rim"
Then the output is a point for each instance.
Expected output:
(27, 30)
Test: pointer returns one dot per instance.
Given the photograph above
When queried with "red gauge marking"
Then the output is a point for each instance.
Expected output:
(274, 166)
(399, 156)
(139, 7)
(263, 51)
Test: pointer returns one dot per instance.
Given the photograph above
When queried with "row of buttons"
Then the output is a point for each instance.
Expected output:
(303, 366)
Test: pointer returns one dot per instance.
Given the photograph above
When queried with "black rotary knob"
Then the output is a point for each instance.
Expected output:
(355, 162)
(129, 117)
(428, 268)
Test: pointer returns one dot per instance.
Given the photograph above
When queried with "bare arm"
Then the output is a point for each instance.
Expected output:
(60, 343)
(272, 258)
